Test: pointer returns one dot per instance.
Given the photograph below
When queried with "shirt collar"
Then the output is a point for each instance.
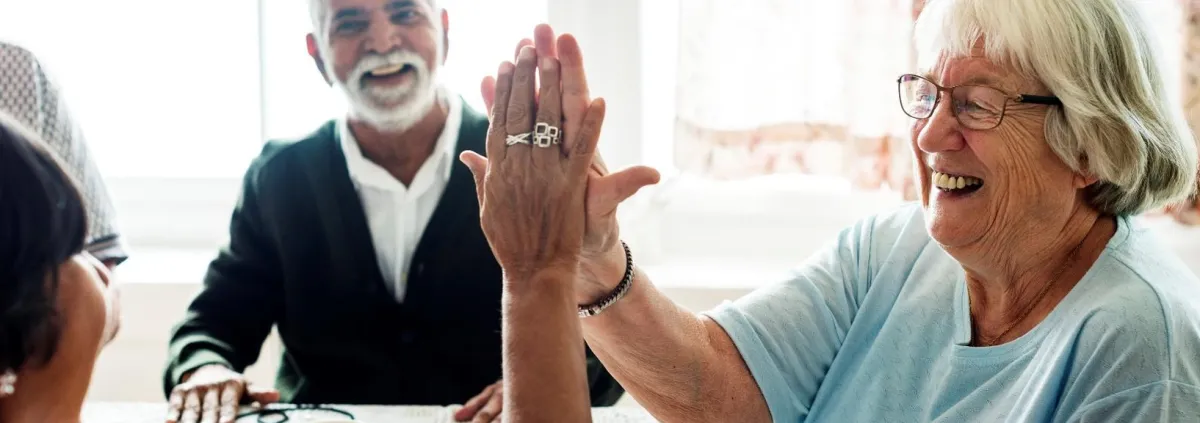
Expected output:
(365, 171)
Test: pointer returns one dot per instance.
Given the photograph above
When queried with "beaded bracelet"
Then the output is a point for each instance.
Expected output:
(617, 293)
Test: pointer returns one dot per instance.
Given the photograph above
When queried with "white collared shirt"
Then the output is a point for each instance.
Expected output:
(396, 214)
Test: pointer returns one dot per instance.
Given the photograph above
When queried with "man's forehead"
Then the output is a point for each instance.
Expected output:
(331, 5)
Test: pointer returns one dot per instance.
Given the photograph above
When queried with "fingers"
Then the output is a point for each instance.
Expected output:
(547, 132)
(498, 131)
(472, 407)
(487, 88)
(575, 95)
(191, 407)
(584, 148)
(491, 410)
(543, 41)
(175, 406)
(478, 166)
(262, 395)
(229, 404)
(614, 189)
(211, 406)
(519, 113)
(525, 42)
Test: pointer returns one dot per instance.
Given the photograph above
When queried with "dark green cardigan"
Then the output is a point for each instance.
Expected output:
(300, 257)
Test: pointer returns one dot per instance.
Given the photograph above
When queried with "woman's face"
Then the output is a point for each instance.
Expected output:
(1022, 184)
(99, 297)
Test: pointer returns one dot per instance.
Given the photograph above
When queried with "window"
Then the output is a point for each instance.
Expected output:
(175, 99)
(160, 88)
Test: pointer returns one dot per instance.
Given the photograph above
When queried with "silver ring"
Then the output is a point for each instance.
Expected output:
(545, 135)
(512, 140)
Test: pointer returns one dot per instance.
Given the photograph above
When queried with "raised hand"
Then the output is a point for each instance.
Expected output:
(531, 189)
(603, 259)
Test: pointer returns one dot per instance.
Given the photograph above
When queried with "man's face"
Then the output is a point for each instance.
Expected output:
(384, 56)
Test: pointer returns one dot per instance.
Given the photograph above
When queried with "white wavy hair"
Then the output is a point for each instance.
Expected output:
(1100, 59)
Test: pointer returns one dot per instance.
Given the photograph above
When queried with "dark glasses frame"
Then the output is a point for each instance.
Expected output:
(1015, 98)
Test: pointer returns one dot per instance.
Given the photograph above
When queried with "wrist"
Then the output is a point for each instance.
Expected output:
(541, 280)
(601, 274)
(212, 367)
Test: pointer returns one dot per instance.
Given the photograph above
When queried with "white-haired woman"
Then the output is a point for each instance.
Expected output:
(1019, 289)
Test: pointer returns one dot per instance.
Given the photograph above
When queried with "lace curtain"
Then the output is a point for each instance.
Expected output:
(808, 87)
(788, 86)
(1189, 211)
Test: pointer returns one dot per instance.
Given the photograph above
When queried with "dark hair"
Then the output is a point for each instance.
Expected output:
(43, 224)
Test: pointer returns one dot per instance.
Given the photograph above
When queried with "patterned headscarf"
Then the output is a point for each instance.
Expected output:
(29, 95)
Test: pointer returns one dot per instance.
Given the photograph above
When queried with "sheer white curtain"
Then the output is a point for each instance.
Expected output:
(804, 86)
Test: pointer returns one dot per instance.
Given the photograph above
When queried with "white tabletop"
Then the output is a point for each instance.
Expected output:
(126, 412)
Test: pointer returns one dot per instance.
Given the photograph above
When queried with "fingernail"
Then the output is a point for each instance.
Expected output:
(527, 53)
(547, 63)
(506, 68)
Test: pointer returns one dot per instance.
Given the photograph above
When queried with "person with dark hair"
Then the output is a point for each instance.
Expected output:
(30, 95)
(56, 310)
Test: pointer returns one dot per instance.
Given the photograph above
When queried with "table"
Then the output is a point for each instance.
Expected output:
(133, 412)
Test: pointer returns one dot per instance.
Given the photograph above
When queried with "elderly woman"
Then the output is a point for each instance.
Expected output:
(1021, 288)
(56, 310)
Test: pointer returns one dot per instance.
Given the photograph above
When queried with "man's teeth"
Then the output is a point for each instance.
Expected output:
(944, 181)
(386, 71)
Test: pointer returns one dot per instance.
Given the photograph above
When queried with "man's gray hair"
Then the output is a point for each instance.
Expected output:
(1117, 122)
(318, 8)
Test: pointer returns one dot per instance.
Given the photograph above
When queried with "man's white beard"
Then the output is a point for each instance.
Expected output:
(415, 99)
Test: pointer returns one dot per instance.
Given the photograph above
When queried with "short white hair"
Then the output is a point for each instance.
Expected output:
(1100, 59)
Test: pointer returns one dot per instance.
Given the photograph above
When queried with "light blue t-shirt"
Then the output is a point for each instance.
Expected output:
(875, 328)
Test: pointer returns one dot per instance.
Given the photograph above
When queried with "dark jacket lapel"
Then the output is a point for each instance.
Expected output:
(456, 215)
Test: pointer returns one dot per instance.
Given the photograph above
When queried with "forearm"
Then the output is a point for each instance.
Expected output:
(544, 369)
(681, 367)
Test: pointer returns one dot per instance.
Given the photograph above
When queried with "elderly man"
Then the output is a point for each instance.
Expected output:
(360, 242)
(29, 95)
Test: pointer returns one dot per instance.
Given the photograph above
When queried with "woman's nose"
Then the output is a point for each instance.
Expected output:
(941, 131)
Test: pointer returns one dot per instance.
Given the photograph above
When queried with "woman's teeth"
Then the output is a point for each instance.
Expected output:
(386, 70)
(948, 182)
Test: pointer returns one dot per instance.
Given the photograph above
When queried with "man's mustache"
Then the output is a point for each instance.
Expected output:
(373, 61)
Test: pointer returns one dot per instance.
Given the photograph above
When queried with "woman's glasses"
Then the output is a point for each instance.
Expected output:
(975, 106)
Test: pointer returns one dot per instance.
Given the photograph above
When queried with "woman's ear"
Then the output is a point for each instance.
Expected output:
(1084, 176)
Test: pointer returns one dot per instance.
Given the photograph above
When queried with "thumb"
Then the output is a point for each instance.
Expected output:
(618, 187)
(262, 395)
(478, 166)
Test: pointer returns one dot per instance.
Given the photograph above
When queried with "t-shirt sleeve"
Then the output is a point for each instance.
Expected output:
(1160, 402)
(789, 332)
